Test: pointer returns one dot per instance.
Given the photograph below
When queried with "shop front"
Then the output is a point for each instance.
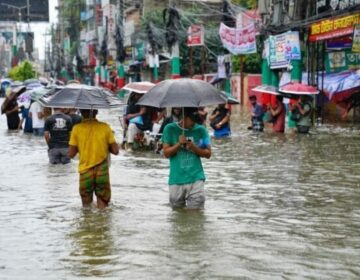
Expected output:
(334, 63)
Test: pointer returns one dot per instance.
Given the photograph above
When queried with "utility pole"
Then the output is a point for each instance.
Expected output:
(120, 67)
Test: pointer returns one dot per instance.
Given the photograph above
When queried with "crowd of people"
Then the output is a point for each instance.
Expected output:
(183, 138)
(141, 119)
(298, 114)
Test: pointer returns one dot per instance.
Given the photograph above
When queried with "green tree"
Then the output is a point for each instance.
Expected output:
(248, 4)
(72, 22)
(22, 72)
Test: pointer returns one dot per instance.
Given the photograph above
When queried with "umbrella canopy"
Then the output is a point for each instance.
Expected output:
(15, 92)
(139, 87)
(81, 97)
(266, 89)
(298, 89)
(5, 82)
(34, 85)
(37, 93)
(24, 99)
(182, 93)
(229, 98)
(31, 81)
(16, 84)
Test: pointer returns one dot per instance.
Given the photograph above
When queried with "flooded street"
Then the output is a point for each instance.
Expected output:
(278, 207)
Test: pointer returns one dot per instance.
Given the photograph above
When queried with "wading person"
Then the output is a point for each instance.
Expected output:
(184, 143)
(11, 107)
(220, 121)
(304, 110)
(93, 140)
(37, 115)
(57, 133)
(278, 113)
(257, 114)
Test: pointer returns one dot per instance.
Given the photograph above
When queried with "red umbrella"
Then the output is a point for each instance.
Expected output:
(298, 89)
(139, 87)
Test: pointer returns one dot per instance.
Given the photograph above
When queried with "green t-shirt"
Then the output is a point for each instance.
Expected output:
(305, 120)
(185, 166)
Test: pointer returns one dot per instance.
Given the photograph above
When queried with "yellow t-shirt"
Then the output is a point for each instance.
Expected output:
(92, 139)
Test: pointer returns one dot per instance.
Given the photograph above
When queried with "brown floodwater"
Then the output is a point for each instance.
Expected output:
(278, 207)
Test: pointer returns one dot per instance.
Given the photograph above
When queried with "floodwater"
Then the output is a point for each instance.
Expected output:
(278, 207)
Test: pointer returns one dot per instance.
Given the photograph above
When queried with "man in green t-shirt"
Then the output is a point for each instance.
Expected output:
(184, 144)
(304, 108)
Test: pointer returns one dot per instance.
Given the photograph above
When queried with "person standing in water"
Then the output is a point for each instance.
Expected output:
(93, 140)
(185, 143)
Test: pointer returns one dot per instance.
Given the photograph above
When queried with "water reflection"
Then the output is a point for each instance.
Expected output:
(188, 229)
(92, 243)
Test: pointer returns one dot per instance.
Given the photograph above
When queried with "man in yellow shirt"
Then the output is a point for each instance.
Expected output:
(93, 140)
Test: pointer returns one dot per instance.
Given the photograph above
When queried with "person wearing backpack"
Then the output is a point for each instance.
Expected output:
(303, 119)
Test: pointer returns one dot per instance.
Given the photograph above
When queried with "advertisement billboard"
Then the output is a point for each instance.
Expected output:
(17, 10)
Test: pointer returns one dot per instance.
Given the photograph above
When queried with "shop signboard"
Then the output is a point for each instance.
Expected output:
(139, 51)
(323, 6)
(195, 35)
(283, 48)
(238, 40)
(341, 60)
(356, 39)
(86, 15)
(92, 56)
(334, 27)
(98, 14)
(339, 43)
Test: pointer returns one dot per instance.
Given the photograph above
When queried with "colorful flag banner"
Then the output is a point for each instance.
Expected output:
(238, 40)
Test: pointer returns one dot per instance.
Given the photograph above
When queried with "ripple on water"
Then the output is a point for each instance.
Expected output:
(278, 207)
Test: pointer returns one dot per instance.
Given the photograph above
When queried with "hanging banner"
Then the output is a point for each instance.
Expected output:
(341, 60)
(356, 39)
(332, 28)
(238, 40)
(195, 36)
(283, 48)
(153, 60)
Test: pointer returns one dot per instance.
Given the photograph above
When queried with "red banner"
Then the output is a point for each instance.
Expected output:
(92, 57)
(332, 28)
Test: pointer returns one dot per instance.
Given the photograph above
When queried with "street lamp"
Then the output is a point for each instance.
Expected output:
(27, 6)
(17, 8)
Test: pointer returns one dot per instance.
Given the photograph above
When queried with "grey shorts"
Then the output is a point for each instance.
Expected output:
(191, 196)
(58, 155)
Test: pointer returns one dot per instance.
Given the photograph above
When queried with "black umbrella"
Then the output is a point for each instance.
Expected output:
(81, 97)
(229, 98)
(182, 93)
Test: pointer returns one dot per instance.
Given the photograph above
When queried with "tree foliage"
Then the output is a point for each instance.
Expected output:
(22, 72)
(72, 21)
(248, 4)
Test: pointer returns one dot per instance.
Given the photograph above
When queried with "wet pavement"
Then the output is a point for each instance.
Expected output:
(278, 207)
